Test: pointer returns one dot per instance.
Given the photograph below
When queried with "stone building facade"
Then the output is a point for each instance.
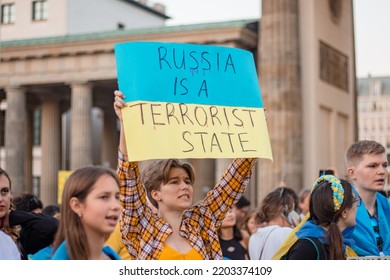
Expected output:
(305, 57)
(374, 111)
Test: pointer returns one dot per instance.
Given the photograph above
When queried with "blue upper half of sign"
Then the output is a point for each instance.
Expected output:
(187, 73)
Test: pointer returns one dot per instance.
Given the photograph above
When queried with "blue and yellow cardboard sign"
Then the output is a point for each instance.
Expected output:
(190, 101)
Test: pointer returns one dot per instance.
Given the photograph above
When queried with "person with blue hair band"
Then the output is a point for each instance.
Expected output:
(325, 233)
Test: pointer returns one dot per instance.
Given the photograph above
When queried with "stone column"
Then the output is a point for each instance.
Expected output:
(28, 155)
(279, 74)
(204, 176)
(110, 140)
(51, 151)
(81, 126)
(15, 137)
(221, 165)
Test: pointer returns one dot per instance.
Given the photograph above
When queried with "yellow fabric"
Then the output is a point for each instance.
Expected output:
(292, 238)
(349, 252)
(170, 254)
(116, 243)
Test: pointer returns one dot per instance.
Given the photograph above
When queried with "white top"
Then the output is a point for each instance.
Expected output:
(266, 241)
(8, 249)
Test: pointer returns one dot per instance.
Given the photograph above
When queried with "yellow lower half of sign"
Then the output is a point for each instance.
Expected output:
(158, 130)
(62, 177)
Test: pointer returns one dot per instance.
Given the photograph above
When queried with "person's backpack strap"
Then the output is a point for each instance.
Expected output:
(314, 243)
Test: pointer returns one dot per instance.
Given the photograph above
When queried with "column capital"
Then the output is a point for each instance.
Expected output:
(9, 88)
(80, 82)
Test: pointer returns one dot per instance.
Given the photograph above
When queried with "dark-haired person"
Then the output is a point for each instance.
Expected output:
(323, 236)
(27, 202)
(231, 239)
(52, 210)
(241, 209)
(46, 253)
(180, 230)
(366, 162)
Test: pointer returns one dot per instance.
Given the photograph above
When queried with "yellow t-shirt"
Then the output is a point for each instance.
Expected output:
(116, 243)
(170, 254)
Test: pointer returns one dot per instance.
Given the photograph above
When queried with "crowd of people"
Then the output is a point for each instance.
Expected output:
(150, 215)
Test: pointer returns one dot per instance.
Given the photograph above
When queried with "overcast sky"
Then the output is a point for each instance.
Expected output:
(372, 24)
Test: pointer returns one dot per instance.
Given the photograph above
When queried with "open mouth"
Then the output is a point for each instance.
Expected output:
(112, 219)
(380, 181)
(187, 196)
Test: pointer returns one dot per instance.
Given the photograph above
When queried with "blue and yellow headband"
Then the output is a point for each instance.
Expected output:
(338, 190)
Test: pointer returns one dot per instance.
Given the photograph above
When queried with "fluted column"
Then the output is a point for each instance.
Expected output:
(51, 151)
(110, 140)
(204, 174)
(28, 155)
(221, 165)
(15, 137)
(81, 126)
(279, 74)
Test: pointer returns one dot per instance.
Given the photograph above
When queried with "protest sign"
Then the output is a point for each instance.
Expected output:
(190, 101)
(62, 177)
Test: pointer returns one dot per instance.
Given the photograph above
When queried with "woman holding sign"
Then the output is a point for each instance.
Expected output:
(179, 229)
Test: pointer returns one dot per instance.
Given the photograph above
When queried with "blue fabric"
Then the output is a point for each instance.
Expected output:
(42, 255)
(309, 229)
(364, 234)
(62, 254)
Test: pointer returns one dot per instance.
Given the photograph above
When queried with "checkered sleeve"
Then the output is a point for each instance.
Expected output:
(230, 187)
(132, 196)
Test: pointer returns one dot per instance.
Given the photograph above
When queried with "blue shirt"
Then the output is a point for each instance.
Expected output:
(62, 253)
(43, 254)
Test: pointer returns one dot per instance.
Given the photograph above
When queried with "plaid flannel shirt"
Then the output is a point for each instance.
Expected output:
(144, 233)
